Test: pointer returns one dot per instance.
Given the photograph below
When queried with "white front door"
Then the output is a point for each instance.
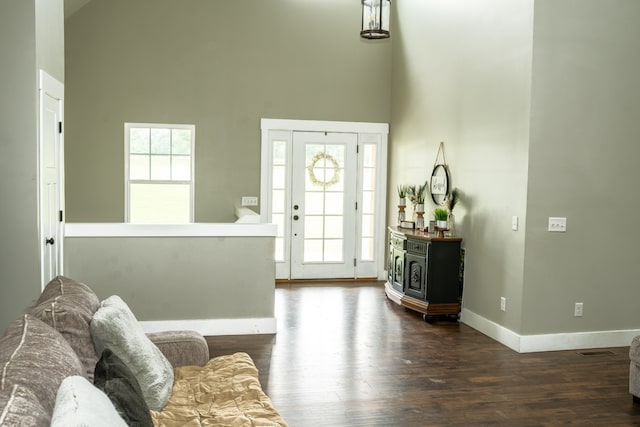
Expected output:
(324, 185)
(51, 183)
(323, 205)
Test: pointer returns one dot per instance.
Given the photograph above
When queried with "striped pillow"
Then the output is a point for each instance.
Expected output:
(37, 357)
(19, 407)
(68, 306)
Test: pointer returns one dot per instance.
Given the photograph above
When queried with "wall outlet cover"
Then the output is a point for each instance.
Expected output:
(557, 224)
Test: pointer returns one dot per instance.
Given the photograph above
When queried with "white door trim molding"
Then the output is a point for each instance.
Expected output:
(368, 133)
(322, 126)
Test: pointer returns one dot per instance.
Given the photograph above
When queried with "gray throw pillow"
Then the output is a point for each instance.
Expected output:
(80, 404)
(68, 306)
(20, 407)
(36, 356)
(115, 327)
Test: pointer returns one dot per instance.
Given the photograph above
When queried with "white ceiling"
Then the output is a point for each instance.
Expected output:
(72, 6)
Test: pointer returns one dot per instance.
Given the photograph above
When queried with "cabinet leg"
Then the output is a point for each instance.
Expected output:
(453, 317)
(428, 318)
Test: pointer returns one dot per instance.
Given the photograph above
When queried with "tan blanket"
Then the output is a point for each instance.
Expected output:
(224, 392)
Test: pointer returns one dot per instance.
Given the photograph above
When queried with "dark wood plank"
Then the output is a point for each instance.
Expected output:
(344, 355)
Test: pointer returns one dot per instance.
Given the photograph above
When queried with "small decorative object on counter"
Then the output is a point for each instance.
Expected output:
(420, 193)
(407, 224)
(420, 217)
(432, 227)
(401, 214)
(420, 220)
(411, 195)
(450, 201)
(451, 227)
(402, 202)
(402, 195)
(441, 215)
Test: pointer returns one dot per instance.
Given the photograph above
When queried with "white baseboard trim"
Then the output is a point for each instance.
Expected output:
(547, 342)
(214, 327)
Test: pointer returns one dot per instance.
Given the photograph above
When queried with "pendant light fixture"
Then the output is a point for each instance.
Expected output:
(375, 19)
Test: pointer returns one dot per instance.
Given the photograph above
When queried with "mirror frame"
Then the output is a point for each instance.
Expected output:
(439, 199)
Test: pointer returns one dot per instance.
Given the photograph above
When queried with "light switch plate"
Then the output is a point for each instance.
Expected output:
(514, 223)
(557, 224)
(249, 201)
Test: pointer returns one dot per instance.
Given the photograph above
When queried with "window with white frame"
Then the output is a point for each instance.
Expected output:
(159, 178)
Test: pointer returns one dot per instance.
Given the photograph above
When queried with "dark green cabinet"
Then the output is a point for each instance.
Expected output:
(424, 272)
(397, 251)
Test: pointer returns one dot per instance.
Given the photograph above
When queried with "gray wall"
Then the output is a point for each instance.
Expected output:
(179, 278)
(583, 164)
(537, 104)
(22, 50)
(221, 65)
(461, 75)
(50, 37)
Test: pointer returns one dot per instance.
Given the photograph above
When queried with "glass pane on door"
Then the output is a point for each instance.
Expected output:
(368, 202)
(278, 195)
(324, 196)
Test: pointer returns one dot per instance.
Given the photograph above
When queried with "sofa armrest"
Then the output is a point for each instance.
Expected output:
(182, 348)
(634, 350)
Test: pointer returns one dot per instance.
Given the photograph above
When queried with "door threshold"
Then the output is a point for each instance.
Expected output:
(367, 280)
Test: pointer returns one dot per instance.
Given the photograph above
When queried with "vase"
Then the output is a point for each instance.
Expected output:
(451, 225)
(441, 224)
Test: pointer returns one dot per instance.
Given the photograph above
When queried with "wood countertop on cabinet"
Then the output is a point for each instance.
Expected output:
(422, 235)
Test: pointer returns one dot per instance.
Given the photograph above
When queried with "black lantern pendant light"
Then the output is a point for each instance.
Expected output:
(375, 19)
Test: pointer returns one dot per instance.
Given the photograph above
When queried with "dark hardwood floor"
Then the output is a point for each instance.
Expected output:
(344, 355)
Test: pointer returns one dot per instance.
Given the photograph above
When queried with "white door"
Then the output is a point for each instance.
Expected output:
(328, 235)
(323, 205)
(51, 182)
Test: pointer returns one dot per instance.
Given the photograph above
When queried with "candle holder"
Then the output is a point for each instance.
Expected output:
(420, 220)
(401, 214)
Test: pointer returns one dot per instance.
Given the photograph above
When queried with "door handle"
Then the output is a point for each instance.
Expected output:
(295, 217)
(49, 241)
(295, 207)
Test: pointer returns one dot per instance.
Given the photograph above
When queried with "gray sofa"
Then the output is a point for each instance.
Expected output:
(51, 341)
(634, 369)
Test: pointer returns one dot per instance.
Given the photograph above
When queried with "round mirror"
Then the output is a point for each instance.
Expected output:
(439, 184)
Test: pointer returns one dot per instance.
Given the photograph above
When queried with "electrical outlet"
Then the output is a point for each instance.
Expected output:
(557, 224)
(249, 201)
(503, 304)
(577, 311)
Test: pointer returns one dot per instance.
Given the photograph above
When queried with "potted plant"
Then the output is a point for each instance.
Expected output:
(441, 215)
(420, 194)
(402, 194)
